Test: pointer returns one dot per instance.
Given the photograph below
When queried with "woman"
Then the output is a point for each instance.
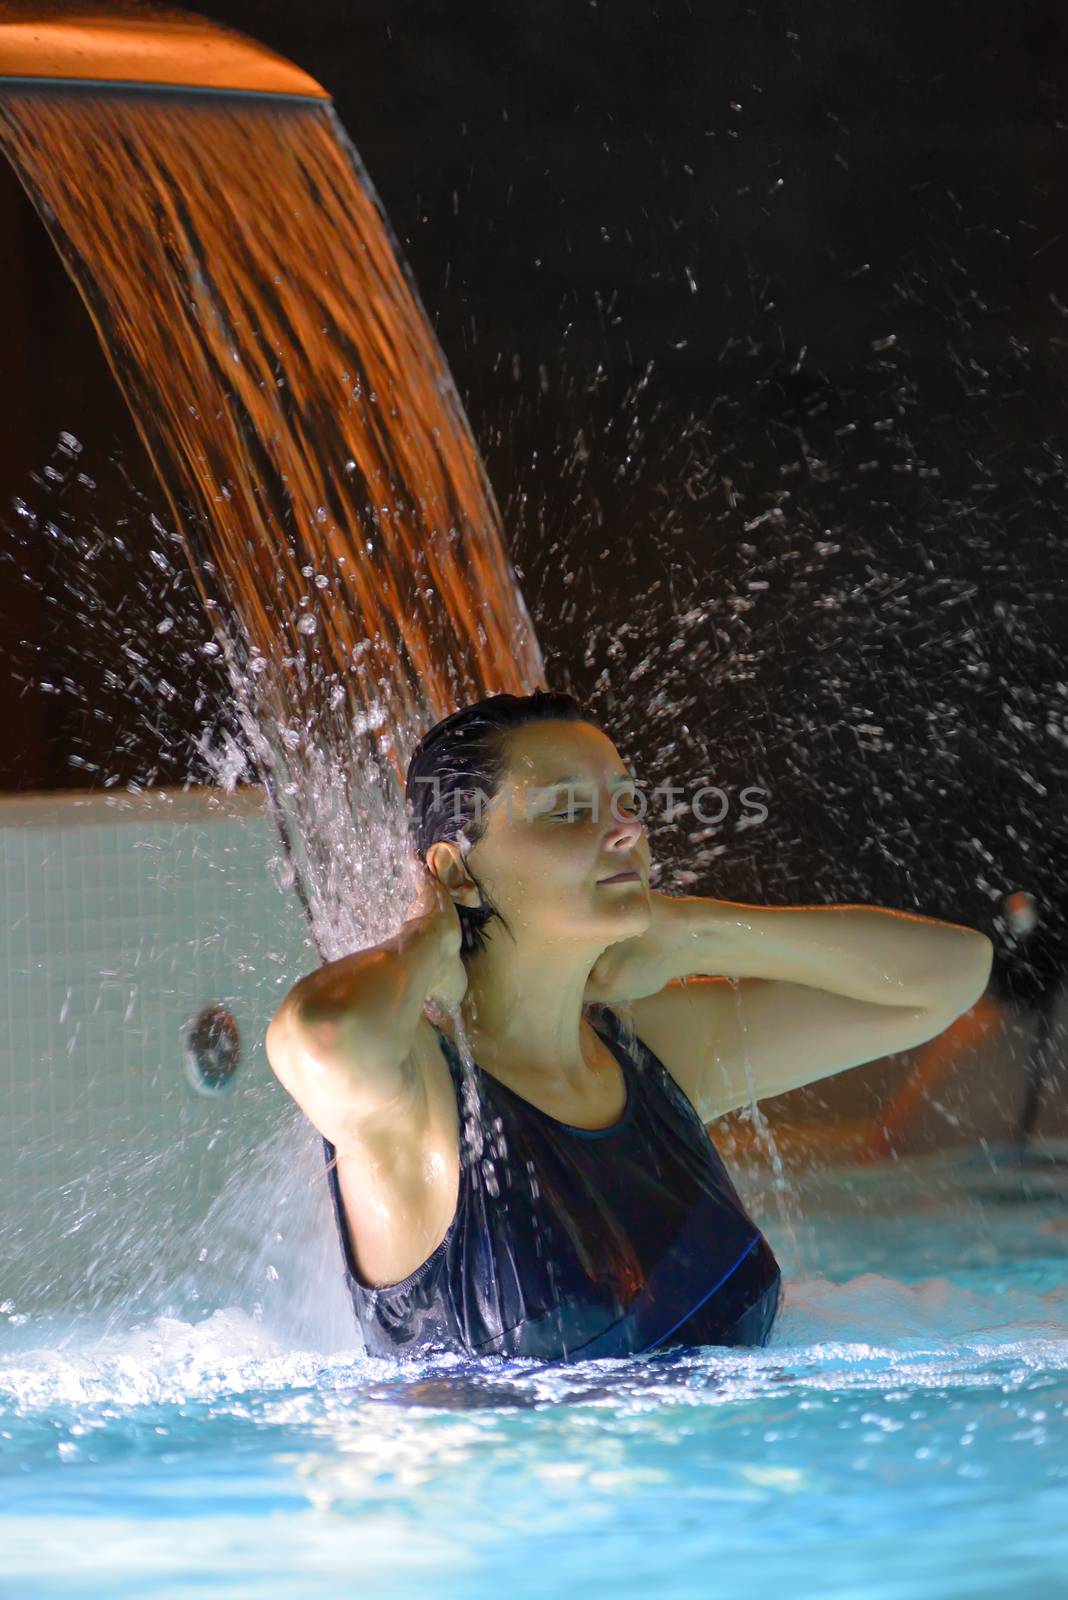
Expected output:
(585, 1211)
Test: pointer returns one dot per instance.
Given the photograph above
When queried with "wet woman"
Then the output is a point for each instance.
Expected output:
(575, 1206)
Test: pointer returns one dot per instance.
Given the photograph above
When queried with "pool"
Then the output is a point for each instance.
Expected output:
(904, 1435)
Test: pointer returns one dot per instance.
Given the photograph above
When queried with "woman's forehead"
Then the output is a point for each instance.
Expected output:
(545, 754)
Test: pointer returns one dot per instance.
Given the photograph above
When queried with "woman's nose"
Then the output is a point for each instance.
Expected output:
(625, 831)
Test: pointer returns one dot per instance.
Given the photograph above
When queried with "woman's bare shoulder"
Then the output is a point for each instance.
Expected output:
(684, 1025)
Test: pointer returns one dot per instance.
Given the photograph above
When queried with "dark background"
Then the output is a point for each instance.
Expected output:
(760, 318)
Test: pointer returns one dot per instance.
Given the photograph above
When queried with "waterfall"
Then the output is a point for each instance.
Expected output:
(306, 431)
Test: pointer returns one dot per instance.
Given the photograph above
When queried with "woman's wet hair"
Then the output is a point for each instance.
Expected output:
(458, 767)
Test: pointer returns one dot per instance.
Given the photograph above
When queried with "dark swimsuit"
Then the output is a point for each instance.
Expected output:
(574, 1243)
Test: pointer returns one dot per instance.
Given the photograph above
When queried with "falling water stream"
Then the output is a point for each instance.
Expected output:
(307, 433)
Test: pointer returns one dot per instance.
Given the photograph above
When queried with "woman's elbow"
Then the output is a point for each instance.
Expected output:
(983, 961)
(283, 1033)
(306, 1031)
(967, 981)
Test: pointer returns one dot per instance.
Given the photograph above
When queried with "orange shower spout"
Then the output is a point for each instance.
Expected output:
(130, 45)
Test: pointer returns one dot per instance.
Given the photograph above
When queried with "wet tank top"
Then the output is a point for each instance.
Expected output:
(574, 1243)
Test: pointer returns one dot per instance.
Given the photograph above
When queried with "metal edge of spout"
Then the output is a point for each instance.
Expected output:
(135, 46)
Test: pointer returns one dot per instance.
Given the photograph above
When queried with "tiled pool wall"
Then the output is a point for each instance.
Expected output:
(122, 919)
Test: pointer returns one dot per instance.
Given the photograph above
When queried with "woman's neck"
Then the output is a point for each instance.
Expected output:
(529, 1010)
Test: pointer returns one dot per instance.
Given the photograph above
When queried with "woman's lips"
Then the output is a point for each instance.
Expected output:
(621, 877)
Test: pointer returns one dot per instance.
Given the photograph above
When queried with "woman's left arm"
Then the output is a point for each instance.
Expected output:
(818, 989)
(890, 958)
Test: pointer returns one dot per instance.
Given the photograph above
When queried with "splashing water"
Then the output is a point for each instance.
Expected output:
(304, 425)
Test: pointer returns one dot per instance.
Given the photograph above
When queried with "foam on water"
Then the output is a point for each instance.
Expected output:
(871, 1330)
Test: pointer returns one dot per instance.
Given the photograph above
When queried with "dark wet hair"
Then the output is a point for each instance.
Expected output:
(456, 769)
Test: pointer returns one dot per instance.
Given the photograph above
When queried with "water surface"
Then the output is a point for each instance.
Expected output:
(903, 1435)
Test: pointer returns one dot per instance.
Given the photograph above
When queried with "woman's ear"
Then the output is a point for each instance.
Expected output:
(446, 863)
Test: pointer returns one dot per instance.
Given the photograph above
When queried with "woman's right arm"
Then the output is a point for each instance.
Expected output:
(341, 1042)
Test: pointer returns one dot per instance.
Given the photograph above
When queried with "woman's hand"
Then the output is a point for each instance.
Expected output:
(434, 904)
(641, 965)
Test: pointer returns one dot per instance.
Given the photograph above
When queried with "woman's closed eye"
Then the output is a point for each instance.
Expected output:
(629, 811)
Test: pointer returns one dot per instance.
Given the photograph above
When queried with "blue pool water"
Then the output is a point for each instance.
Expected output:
(905, 1435)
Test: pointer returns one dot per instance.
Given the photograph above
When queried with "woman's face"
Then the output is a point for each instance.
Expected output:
(565, 819)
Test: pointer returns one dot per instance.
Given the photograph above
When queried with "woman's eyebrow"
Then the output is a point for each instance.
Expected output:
(576, 777)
